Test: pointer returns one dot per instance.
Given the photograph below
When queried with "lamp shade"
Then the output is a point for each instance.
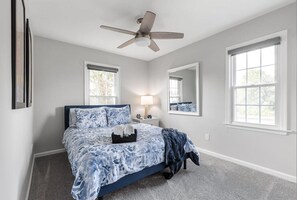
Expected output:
(146, 100)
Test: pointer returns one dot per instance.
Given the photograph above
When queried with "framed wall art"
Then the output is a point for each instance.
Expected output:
(18, 54)
(28, 65)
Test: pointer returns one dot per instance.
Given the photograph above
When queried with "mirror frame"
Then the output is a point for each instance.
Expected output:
(197, 81)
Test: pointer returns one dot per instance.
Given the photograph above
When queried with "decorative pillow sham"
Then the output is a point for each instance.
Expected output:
(173, 107)
(91, 118)
(187, 107)
(193, 108)
(116, 116)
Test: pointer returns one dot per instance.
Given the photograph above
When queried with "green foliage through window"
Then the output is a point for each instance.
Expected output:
(254, 85)
(102, 87)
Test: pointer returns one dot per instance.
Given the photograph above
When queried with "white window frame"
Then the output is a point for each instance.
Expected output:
(87, 81)
(280, 92)
(180, 88)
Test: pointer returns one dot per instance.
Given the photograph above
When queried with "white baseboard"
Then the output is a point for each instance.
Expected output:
(30, 178)
(31, 173)
(47, 153)
(250, 165)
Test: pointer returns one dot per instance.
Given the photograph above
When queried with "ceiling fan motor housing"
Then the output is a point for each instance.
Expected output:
(139, 20)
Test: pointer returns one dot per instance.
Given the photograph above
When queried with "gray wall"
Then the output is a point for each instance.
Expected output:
(16, 136)
(268, 150)
(59, 81)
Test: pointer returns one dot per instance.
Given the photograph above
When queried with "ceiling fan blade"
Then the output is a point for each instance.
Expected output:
(118, 30)
(126, 43)
(153, 46)
(147, 22)
(166, 35)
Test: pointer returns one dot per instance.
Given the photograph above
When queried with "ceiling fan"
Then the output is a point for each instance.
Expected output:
(144, 37)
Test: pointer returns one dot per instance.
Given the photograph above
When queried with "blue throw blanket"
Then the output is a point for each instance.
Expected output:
(175, 152)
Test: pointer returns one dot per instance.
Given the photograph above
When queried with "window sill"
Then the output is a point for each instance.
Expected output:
(184, 113)
(260, 129)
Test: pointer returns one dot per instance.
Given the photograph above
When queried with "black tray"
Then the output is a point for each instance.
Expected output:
(118, 139)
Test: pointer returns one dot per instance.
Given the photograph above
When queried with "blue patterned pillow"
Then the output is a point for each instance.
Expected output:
(193, 107)
(187, 107)
(116, 116)
(183, 107)
(91, 118)
(173, 107)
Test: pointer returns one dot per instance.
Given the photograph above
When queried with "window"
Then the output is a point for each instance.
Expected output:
(175, 90)
(101, 84)
(256, 77)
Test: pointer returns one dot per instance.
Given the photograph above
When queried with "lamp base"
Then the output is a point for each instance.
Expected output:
(145, 112)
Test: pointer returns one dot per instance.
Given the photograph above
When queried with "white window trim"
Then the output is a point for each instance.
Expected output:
(87, 80)
(281, 105)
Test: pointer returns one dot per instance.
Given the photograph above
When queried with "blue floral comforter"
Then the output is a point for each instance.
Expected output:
(96, 162)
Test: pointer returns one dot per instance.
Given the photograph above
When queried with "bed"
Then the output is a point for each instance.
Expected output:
(89, 155)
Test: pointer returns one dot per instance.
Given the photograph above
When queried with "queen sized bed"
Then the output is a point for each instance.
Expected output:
(101, 167)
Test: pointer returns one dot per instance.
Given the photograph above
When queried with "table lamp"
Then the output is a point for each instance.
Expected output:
(146, 101)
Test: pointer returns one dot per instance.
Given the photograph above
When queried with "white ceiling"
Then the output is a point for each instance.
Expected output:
(78, 21)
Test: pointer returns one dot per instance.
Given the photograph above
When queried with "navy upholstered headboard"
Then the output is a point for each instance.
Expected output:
(172, 104)
(67, 110)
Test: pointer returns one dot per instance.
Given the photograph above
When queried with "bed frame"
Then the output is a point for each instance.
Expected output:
(187, 102)
(126, 180)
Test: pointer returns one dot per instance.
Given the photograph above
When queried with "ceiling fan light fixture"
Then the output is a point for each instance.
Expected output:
(142, 41)
(144, 37)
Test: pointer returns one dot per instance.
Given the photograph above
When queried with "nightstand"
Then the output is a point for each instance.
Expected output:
(154, 121)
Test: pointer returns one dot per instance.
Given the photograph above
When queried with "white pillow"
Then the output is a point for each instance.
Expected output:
(72, 117)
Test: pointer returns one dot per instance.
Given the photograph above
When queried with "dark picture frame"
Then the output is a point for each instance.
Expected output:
(18, 54)
(29, 59)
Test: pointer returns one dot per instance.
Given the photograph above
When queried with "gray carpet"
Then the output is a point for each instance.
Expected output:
(215, 179)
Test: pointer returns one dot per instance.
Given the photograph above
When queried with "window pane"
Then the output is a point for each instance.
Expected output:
(102, 87)
(268, 55)
(240, 77)
(174, 99)
(110, 87)
(239, 114)
(268, 95)
(175, 90)
(102, 100)
(253, 58)
(94, 79)
(268, 115)
(102, 83)
(240, 61)
(94, 101)
(252, 114)
(253, 96)
(254, 86)
(239, 96)
(268, 74)
(254, 76)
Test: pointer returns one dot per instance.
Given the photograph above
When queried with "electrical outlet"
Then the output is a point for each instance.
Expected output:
(206, 136)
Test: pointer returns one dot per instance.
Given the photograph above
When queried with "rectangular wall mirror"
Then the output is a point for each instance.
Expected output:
(183, 90)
